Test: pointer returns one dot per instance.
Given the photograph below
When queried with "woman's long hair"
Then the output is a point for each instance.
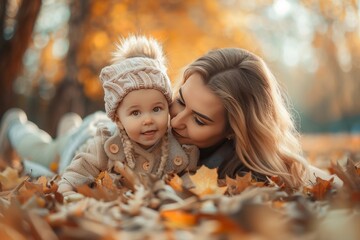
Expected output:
(265, 137)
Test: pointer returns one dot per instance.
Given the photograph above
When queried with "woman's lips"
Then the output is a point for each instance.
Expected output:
(177, 134)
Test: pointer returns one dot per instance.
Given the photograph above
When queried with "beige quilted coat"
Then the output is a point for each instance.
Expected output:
(101, 152)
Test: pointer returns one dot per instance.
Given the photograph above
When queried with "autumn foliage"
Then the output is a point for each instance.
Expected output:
(139, 206)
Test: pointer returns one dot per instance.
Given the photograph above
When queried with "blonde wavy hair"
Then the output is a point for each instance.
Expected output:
(266, 139)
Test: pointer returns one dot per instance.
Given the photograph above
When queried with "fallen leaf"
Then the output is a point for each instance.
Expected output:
(206, 183)
(238, 185)
(178, 219)
(54, 166)
(176, 183)
(225, 225)
(349, 173)
(275, 181)
(105, 180)
(10, 178)
(321, 188)
(41, 227)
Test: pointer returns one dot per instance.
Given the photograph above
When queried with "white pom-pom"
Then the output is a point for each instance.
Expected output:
(138, 46)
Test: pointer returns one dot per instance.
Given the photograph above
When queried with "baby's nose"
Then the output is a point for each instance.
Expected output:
(148, 119)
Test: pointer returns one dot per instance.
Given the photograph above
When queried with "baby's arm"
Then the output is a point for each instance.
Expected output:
(85, 166)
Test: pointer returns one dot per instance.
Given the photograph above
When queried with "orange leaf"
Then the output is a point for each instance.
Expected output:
(54, 166)
(278, 204)
(178, 219)
(32, 186)
(105, 180)
(358, 171)
(41, 202)
(100, 177)
(205, 181)
(224, 224)
(236, 186)
(321, 188)
(275, 180)
(29, 191)
(176, 183)
(47, 187)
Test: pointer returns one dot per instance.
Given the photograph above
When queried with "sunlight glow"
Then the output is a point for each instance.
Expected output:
(290, 52)
(281, 7)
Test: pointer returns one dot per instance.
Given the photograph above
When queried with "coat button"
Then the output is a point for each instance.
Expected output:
(178, 161)
(146, 166)
(114, 148)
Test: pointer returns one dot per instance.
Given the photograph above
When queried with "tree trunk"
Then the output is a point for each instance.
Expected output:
(13, 49)
(69, 96)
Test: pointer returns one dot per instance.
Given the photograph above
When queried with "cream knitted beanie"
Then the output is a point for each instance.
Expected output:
(138, 63)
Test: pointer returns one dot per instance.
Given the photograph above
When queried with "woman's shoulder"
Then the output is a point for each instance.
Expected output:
(218, 155)
(234, 167)
(225, 159)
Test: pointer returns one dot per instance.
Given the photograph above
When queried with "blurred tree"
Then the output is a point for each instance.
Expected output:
(317, 53)
(333, 94)
(17, 20)
(186, 28)
(313, 47)
(69, 96)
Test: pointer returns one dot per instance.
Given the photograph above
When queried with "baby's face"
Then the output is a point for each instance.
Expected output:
(144, 115)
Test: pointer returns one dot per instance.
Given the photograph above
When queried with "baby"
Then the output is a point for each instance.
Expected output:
(137, 97)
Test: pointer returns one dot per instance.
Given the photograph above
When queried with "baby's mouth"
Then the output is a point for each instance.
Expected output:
(149, 132)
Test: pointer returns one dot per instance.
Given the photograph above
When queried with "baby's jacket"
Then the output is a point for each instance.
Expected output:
(101, 152)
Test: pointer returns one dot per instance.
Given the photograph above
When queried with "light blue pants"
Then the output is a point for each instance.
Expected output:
(38, 149)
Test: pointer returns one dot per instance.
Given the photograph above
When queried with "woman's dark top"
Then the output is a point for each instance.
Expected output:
(223, 156)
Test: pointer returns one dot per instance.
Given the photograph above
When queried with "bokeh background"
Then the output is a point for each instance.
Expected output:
(52, 51)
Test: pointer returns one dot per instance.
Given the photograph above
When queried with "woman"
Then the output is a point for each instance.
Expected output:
(230, 106)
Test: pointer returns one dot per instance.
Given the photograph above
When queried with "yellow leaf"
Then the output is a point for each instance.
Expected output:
(9, 178)
(205, 181)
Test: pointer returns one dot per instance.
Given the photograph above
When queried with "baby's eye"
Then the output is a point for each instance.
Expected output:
(135, 113)
(157, 109)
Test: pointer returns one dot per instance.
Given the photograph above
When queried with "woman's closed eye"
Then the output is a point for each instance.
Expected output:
(199, 122)
(179, 101)
(196, 118)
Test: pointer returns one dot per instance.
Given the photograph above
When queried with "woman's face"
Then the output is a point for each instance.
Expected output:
(197, 114)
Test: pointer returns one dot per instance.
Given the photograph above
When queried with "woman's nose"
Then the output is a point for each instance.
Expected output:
(178, 120)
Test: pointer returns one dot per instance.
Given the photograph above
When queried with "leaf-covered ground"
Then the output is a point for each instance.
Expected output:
(144, 207)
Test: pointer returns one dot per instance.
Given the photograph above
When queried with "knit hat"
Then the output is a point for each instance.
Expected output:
(138, 63)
